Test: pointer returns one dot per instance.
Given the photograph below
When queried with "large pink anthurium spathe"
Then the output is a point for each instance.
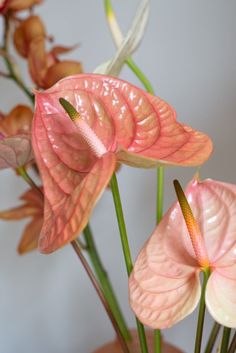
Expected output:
(116, 122)
(164, 285)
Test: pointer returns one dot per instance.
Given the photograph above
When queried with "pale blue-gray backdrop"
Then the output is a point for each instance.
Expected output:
(46, 302)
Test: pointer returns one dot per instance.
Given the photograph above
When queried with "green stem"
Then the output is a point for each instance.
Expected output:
(23, 173)
(100, 293)
(160, 192)
(139, 73)
(157, 341)
(212, 338)
(225, 340)
(126, 250)
(160, 198)
(105, 282)
(232, 347)
(12, 72)
(201, 313)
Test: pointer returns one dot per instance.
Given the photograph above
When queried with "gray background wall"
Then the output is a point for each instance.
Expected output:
(46, 302)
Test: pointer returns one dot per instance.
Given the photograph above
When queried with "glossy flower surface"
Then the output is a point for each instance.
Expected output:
(164, 285)
(132, 126)
(32, 207)
(15, 137)
(114, 347)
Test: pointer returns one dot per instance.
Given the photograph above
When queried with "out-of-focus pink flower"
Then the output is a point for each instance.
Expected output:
(32, 207)
(124, 124)
(134, 346)
(164, 285)
(15, 138)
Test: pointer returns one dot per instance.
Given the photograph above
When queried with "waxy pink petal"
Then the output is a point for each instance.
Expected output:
(220, 296)
(69, 200)
(162, 291)
(154, 277)
(138, 128)
(15, 151)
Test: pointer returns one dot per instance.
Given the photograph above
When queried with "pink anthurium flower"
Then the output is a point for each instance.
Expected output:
(164, 285)
(32, 207)
(114, 121)
(15, 138)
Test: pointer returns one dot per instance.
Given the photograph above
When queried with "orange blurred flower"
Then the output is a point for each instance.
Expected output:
(32, 207)
(45, 67)
(18, 121)
(26, 32)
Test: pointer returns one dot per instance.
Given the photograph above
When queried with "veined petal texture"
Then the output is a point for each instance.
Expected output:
(135, 128)
(141, 127)
(162, 291)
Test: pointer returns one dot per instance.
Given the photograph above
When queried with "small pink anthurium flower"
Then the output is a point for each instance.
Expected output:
(111, 121)
(15, 138)
(164, 285)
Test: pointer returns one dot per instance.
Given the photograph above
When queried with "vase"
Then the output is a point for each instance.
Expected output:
(114, 346)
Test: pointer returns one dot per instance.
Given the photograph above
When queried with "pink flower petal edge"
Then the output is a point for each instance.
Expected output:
(164, 285)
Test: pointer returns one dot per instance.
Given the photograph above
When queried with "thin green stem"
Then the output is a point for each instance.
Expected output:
(121, 224)
(139, 73)
(23, 173)
(225, 340)
(232, 347)
(126, 249)
(160, 198)
(105, 283)
(212, 338)
(100, 295)
(157, 341)
(12, 72)
(201, 313)
(160, 192)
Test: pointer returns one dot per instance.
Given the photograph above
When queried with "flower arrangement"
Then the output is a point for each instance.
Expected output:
(68, 144)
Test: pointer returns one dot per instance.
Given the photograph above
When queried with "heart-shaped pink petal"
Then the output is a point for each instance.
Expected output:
(141, 130)
(162, 291)
(126, 118)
